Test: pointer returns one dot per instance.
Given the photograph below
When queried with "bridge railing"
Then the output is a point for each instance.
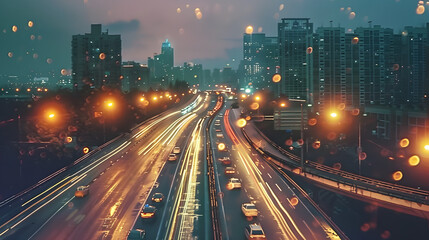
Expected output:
(346, 178)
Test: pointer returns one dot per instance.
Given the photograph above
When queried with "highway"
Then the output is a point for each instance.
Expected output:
(284, 213)
(120, 175)
(183, 214)
(125, 174)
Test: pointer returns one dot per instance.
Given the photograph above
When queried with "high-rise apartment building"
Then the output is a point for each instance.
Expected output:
(330, 77)
(96, 59)
(296, 65)
(260, 60)
(414, 58)
(135, 76)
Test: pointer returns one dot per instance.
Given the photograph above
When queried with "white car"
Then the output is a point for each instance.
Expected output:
(254, 231)
(234, 183)
(249, 210)
(219, 135)
(172, 157)
(176, 150)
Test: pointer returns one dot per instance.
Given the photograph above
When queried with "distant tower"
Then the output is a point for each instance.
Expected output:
(161, 65)
(96, 59)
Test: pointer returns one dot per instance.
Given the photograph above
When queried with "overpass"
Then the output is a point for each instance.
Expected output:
(396, 197)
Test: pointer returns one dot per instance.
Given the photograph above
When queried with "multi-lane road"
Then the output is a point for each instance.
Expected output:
(283, 212)
(124, 175)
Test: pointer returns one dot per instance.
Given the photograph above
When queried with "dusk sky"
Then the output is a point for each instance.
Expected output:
(213, 40)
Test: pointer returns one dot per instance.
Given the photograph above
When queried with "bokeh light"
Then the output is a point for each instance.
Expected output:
(404, 143)
(14, 28)
(30, 24)
(249, 29)
(397, 176)
(254, 106)
(241, 122)
(420, 9)
(294, 201)
(355, 40)
(276, 78)
(102, 56)
(221, 146)
(414, 160)
(85, 150)
(312, 121)
(309, 50)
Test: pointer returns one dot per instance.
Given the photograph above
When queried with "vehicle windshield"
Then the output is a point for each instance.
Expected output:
(257, 232)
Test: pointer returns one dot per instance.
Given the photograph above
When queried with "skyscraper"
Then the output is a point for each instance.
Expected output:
(415, 44)
(161, 65)
(372, 69)
(96, 59)
(296, 65)
(260, 60)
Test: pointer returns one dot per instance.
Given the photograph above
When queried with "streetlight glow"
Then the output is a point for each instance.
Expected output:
(334, 114)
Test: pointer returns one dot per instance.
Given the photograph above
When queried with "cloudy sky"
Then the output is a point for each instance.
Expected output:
(212, 37)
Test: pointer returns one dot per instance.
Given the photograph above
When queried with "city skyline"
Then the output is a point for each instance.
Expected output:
(194, 27)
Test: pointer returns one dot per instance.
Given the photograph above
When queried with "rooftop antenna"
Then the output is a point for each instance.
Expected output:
(370, 24)
(330, 23)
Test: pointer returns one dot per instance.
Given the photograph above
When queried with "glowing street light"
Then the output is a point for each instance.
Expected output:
(333, 114)
(257, 98)
(282, 105)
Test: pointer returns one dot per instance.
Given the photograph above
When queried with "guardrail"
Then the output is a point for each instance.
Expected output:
(217, 233)
(350, 179)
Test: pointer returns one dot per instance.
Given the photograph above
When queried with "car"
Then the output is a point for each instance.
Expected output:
(234, 183)
(219, 135)
(218, 130)
(249, 210)
(81, 191)
(225, 161)
(157, 197)
(136, 234)
(172, 157)
(148, 211)
(254, 231)
(229, 170)
(176, 150)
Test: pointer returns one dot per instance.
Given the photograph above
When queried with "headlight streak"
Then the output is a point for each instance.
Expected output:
(73, 180)
(185, 118)
(82, 173)
(186, 189)
(257, 176)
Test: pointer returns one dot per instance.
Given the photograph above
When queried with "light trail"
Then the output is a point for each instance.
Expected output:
(181, 222)
(256, 174)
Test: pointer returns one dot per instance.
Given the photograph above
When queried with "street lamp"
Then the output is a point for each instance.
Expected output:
(108, 105)
(359, 148)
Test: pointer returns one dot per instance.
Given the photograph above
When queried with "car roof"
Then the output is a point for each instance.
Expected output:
(255, 226)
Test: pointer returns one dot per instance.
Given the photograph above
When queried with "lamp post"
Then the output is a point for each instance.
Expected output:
(359, 148)
(108, 106)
